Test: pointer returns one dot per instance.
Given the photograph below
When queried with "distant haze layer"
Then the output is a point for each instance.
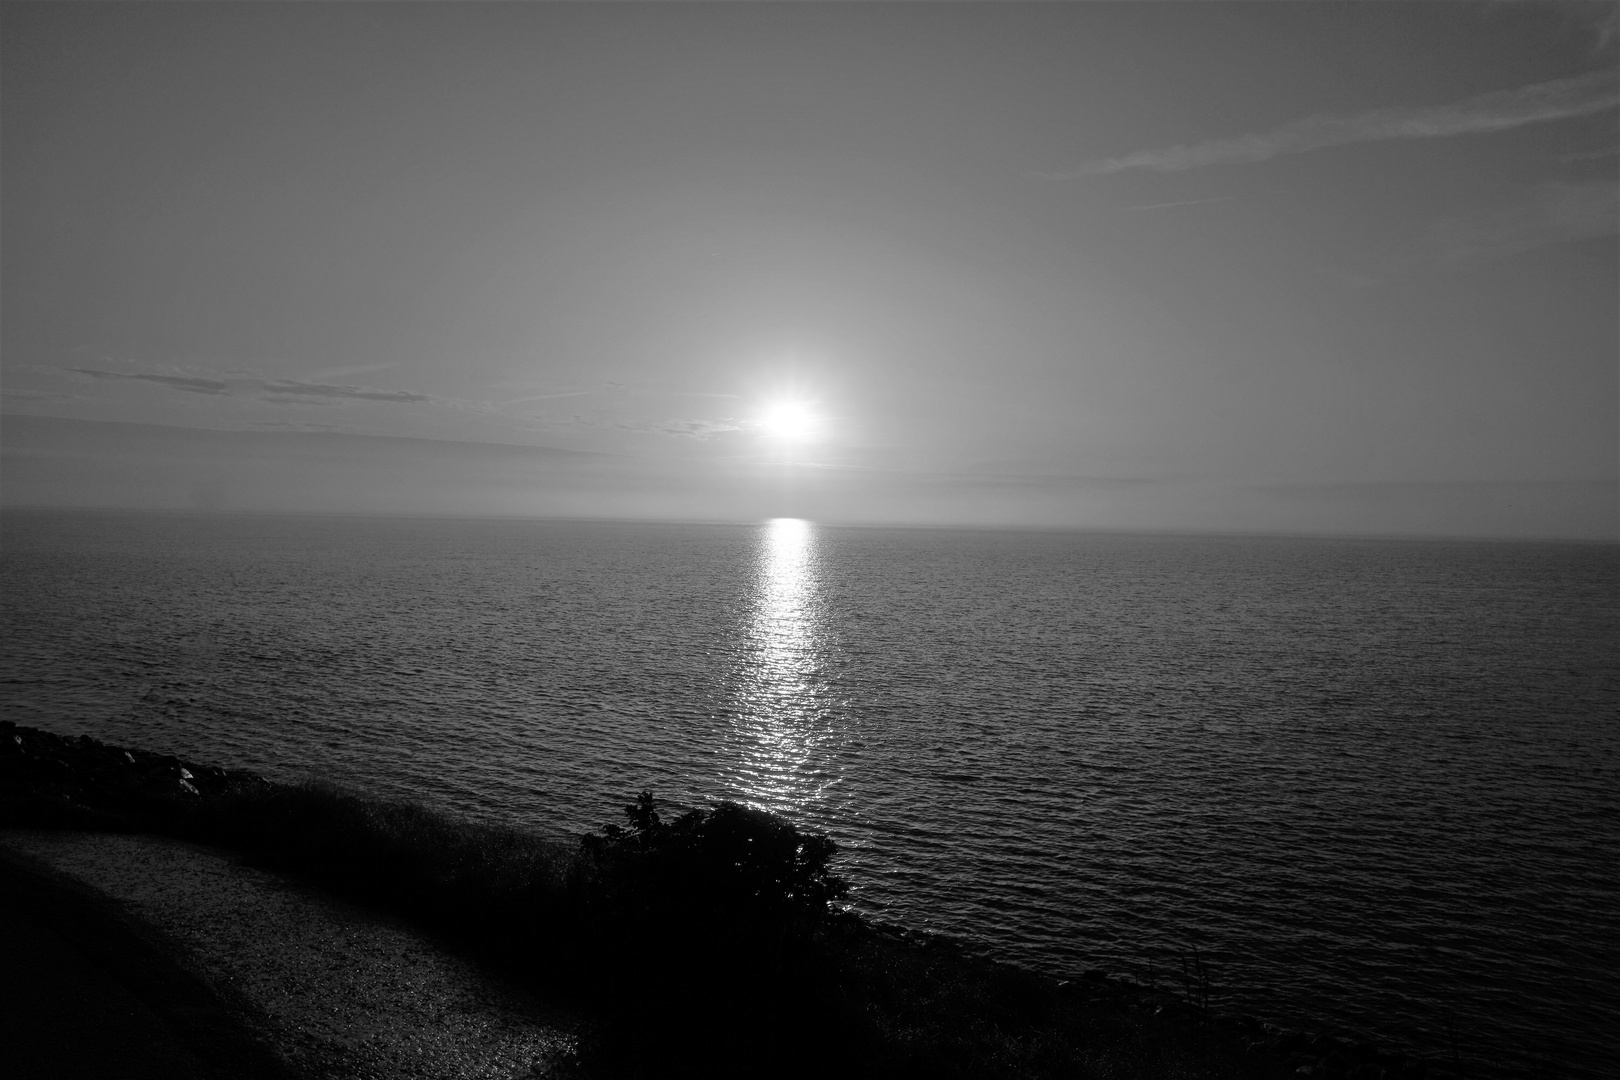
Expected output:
(48, 462)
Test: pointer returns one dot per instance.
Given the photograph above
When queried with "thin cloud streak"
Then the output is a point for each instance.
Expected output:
(292, 425)
(303, 389)
(1499, 110)
(547, 397)
(688, 429)
(175, 382)
(282, 389)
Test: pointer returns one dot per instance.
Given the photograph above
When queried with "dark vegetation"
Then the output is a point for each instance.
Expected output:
(708, 945)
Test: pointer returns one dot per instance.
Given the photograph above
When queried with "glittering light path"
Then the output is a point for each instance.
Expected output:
(782, 722)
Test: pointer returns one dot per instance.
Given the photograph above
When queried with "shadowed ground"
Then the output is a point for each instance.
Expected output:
(87, 991)
(191, 965)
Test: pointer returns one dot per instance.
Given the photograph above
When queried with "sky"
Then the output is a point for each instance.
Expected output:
(1274, 267)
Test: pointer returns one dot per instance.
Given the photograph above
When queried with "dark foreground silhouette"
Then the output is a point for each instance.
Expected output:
(707, 945)
(90, 993)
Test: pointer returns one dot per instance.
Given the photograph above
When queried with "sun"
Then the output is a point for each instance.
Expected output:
(794, 421)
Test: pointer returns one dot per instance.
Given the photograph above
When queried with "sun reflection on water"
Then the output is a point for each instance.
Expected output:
(781, 694)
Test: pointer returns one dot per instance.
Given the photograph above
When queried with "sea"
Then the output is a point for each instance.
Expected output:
(1373, 784)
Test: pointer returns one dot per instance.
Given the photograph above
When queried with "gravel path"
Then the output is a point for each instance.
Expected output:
(341, 993)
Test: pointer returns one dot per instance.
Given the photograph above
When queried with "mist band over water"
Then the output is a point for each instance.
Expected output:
(1373, 781)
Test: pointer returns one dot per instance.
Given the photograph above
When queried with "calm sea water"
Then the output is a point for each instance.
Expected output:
(1374, 782)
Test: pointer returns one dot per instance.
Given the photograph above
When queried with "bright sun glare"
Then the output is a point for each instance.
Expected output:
(788, 420)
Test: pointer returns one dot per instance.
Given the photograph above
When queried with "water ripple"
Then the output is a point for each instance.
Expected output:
(1374, 782)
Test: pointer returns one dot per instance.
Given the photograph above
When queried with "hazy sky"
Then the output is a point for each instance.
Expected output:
(1318, 267)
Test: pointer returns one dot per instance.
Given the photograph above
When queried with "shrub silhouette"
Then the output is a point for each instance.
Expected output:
(725, 904)
(730, 875)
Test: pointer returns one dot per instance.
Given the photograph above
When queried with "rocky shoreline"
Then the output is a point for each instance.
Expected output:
(48, 781)
(48, 775)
